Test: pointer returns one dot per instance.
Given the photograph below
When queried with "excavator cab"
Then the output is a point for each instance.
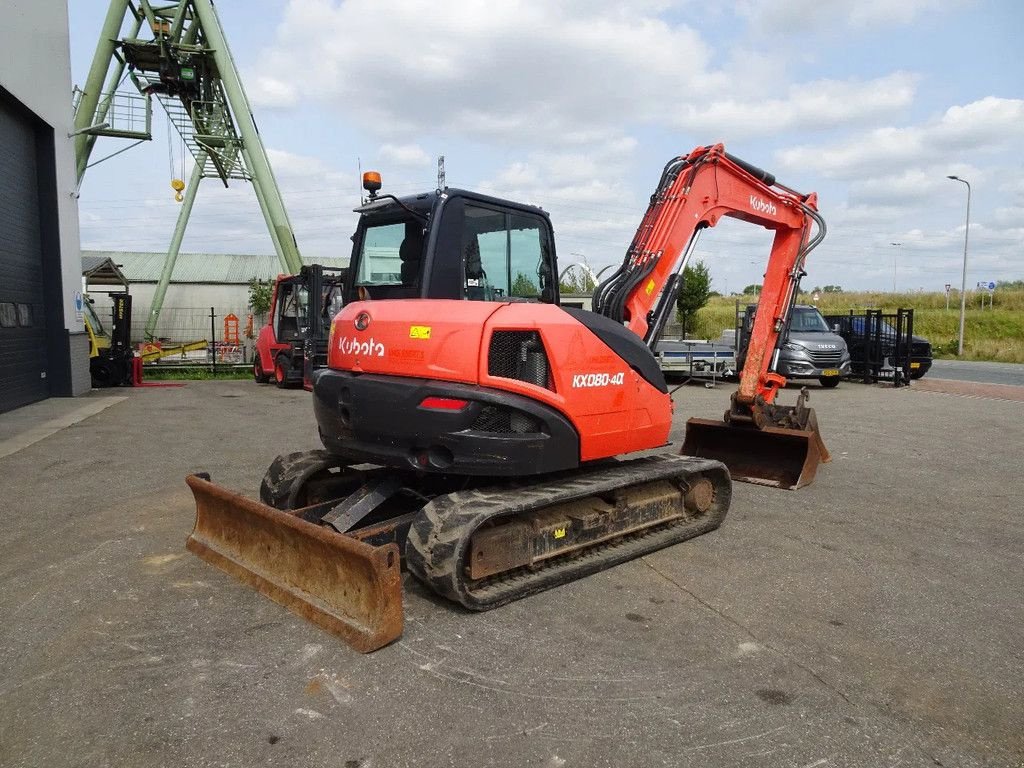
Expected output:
(452, 244)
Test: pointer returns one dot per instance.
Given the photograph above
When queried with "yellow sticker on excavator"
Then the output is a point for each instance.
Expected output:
(559, 533)
(650, 287)
(419, 331)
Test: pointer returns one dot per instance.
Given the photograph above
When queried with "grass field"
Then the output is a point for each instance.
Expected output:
(194, 373)
(989, 334)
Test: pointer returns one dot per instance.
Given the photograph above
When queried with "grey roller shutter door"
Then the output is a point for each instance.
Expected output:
(23, 341)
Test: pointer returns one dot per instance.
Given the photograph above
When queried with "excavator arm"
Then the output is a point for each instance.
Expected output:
(760, 441)
(695, 192)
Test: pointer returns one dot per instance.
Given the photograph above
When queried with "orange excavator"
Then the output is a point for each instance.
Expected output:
(474, 429)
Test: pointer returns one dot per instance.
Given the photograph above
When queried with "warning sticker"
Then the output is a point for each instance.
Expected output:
(419, 331)
(650, 287)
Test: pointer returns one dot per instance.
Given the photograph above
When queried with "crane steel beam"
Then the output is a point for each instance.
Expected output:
(85, 114)
(187, 65)
(259, 165)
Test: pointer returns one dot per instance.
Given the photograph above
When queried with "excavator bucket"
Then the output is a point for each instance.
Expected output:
(777, 456)
(346, 586)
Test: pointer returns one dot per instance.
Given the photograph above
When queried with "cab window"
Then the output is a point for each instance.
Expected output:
(505, 255)
(380, 262)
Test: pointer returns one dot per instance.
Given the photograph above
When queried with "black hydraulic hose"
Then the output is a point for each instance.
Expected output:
(614, 281)
(617, 308)
(799, 272)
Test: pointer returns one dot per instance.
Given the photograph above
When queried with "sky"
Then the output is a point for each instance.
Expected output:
(576, 105)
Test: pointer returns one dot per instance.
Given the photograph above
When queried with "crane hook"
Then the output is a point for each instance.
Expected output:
(177, 185)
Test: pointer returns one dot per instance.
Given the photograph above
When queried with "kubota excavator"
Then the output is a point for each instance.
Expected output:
(472, 426)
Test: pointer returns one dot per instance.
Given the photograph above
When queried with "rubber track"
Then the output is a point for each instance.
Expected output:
(441, 532)
(287, 474)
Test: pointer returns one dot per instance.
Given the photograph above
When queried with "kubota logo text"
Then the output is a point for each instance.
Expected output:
(763, 206)
(370, 348)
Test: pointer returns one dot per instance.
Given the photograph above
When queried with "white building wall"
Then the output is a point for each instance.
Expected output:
(36, 69)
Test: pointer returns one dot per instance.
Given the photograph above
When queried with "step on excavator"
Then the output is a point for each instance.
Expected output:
(481, 434)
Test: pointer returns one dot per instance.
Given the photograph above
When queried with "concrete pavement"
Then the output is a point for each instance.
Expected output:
(870, 619)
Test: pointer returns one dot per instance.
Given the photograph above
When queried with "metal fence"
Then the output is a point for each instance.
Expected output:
(879, 343)
(198, 335)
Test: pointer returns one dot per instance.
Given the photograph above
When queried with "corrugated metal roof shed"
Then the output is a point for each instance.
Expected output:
(224, 268)
(99, 270)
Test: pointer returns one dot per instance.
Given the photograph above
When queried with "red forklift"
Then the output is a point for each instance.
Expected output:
(293, 343)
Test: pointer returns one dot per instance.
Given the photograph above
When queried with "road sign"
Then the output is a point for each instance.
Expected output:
(986, 285)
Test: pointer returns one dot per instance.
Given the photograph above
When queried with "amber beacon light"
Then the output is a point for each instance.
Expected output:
(371, 182)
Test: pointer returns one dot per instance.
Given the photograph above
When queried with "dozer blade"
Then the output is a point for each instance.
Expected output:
(349, 588)
(775, 456)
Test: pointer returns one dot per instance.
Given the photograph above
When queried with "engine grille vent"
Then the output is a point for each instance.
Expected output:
(518, 355)
(506, 421)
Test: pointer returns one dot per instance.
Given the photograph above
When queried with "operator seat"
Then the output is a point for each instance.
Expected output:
(411, 254)
(475, 272)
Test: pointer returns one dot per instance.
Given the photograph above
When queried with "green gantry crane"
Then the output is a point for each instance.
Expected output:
(183, 61)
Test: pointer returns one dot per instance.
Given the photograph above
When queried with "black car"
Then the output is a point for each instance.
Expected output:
(851, 328)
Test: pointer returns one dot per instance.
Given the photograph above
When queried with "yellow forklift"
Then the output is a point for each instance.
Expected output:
(110, 353)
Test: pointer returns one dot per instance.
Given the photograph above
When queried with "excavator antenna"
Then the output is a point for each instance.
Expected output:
(177, 53)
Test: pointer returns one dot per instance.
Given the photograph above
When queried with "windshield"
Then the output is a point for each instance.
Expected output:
(90, 316)
(506, 254)
(808, 320)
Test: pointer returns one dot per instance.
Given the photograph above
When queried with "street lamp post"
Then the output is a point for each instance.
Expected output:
(898, 247)
(963, 282)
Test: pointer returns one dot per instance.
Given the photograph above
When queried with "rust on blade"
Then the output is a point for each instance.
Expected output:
(774, 456)
(348, 587)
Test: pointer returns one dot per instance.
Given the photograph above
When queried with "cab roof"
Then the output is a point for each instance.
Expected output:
(424, 202)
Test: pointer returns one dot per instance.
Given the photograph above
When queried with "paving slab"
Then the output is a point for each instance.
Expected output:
(872, 618)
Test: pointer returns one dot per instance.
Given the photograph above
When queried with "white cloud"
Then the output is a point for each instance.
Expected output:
(805, 106)
(916, 185)
(562, 73)
(408, 155)
(773, 16)
(984, 126)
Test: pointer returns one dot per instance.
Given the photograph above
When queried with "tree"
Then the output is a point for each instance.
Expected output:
(694, 294)
(260, 293)
(524, 286)
(833, 289)
(752, 290)
(576, 281)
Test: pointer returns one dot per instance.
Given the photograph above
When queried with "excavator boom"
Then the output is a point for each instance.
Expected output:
(760, 441)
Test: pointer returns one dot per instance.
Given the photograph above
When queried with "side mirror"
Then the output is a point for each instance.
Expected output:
(835, 328)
